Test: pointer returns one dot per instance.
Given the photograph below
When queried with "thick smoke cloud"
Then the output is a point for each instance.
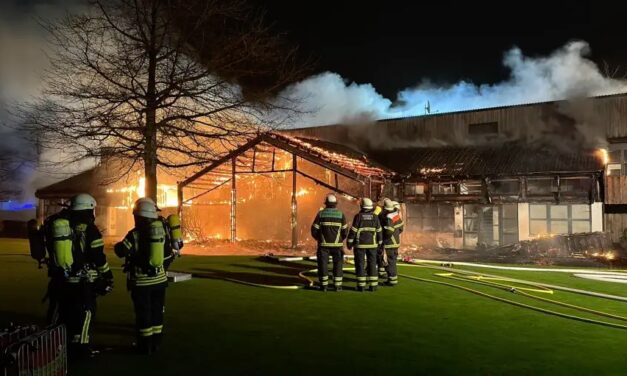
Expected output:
(23, 60)
(566, 73)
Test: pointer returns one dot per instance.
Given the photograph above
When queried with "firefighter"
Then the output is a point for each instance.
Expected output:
(365, 238)
(147, 249)
(79, 269)
(40, 241)
(330, 230)
(392, 228)
(382, 213)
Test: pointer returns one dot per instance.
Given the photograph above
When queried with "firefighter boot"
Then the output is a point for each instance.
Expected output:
(373, 288)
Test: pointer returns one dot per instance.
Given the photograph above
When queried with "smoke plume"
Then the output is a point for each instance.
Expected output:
(566, 73)
(23, 60)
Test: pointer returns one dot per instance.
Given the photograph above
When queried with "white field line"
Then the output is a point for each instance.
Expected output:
(522, 268)
(553, 287)
(603, 278)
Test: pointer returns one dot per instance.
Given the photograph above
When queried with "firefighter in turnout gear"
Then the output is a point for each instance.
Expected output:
(365, 238)
(41, 248)
(330, 230)
(77, 260)
(392, 228)
(382, 213)
(147, 249)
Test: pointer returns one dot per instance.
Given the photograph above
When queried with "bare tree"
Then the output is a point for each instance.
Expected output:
(168, 83)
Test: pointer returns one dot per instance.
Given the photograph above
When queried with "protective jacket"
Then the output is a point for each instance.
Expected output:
(148, 253)
(329, 228)
(366, 232)
(392, 228)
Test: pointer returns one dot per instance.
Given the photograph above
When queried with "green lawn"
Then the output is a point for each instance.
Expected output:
(215, 327)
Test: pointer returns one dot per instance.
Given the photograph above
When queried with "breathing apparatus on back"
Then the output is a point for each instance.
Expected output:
(64, 254)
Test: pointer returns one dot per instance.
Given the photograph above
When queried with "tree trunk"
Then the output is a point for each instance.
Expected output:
(150, 133)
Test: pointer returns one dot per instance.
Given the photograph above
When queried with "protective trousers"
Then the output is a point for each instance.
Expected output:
(381, 262)
(392, 255)
(322, 256)
(366, 263)
(77, 309)
(149, 305)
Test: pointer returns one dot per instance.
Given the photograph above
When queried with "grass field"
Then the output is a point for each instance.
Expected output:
(218, 327)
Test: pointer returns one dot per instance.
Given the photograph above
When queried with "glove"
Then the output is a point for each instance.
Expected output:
(103, 286)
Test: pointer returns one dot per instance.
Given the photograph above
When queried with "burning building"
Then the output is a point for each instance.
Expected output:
(472, 179)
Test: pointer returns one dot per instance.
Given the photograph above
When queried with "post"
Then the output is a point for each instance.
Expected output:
(294, 205)
(179, 194)
(233, 201)
(41, 211)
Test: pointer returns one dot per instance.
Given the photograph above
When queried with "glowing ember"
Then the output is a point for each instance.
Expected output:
(603, 155)
(426, 171)
(301, 192)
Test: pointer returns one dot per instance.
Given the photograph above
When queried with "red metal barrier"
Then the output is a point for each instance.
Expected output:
(41, 354)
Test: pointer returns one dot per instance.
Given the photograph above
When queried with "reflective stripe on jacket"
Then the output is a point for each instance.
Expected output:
(392, 228)
(329, 228)
(366, 232)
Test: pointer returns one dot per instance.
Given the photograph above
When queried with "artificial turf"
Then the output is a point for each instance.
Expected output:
(218, 327)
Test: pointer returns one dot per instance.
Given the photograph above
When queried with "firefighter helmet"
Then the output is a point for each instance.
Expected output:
(388, 204)
(396, 205)
(366, 203)
(330, 199)
(145, 207)
(82, 201)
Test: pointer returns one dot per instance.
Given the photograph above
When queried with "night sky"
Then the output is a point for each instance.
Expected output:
(396, 44)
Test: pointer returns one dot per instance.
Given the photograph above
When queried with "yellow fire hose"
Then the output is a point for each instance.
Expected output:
(485, 280)
(308, 281)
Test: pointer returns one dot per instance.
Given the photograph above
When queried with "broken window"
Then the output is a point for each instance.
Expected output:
(575, 185)
(509, 187)
(471, 187)
(430, 218)
(541, 186)
(444, 188)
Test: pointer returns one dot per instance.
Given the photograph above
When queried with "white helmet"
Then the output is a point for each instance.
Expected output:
(82, 201)
(366, 203)
(145, 207)
(388, 204)
(396, 205)
(331, 199)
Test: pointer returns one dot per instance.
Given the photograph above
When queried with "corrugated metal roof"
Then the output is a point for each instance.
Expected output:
(506, 159)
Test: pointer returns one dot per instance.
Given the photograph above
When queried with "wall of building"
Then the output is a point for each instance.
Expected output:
(586, 120)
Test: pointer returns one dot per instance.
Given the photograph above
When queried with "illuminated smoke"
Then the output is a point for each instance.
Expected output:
(565, 73)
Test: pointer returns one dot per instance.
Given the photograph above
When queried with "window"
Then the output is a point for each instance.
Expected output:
(444, 188)
(541, 186)
(575, 185)
(472, 187)
(505, 187)
(558, 219)
(431, 218)
(618, 160)
(414, 189)
(490, 225)
(483, 129)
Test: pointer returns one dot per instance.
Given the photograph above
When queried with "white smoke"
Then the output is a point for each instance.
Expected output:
(566, 73)
(23, 60)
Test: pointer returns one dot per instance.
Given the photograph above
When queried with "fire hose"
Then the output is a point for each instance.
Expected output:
(518, 290)
(482, 279)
